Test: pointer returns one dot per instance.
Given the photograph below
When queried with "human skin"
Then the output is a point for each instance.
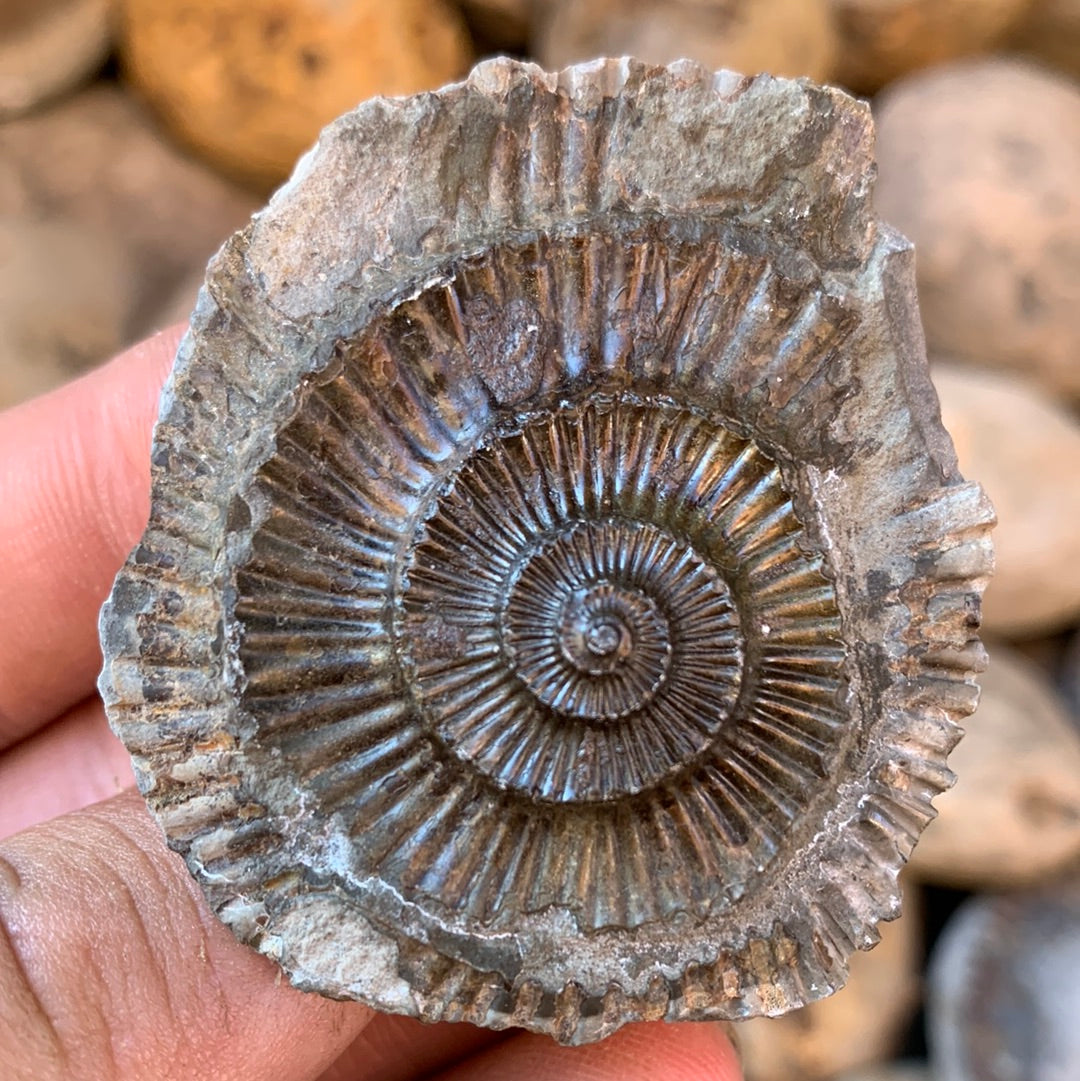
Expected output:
(111, 965)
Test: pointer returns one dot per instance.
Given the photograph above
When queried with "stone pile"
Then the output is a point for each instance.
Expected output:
(136, 135)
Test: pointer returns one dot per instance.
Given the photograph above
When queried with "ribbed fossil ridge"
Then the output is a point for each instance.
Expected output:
(559, 592)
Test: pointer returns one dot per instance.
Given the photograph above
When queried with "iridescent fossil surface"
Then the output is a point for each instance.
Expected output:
(559, 592)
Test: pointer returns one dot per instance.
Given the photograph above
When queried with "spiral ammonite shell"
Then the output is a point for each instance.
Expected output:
(559, 592)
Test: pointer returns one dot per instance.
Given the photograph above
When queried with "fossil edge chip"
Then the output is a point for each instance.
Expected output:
(559, 594)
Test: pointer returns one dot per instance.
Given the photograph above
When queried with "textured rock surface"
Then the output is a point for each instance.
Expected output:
(97, 161)
(881, 40)
(249, 83)
(1005, 989)
(65, 302)
(978, 165)
(559, 591)
(1025, 449)
(781, 37)
(861, 1024)
(1014, 815)
(47, 46)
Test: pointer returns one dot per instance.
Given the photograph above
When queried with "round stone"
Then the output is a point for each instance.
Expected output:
(978, 165)
(248, 84)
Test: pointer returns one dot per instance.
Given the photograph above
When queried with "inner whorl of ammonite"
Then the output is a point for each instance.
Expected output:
(586, 659)
(567, 638)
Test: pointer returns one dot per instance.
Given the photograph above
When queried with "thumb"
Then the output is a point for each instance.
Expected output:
(113, 967)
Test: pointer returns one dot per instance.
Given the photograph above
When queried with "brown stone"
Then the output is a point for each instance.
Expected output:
(1050, 32)
(781, 37)
(503, 23)
(978, 165)
(1026, 449)
(99, 161)
(881, 40)
(860, 1025)
(47, 46)
(1014, 815)
(249, 83)
(1004, 988)
(66, 294)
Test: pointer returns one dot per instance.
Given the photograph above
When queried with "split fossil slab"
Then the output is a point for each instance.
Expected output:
(559, 594)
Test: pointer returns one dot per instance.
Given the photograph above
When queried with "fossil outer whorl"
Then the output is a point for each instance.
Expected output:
(559, 592)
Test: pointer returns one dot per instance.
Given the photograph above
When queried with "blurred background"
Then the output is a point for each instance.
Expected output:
(135, 135)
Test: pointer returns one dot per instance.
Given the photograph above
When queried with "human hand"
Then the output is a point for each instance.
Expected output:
(111, 965)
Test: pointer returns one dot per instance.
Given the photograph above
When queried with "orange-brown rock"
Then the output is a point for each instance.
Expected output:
(978, 165)
(1013, 817)
(1050, 31)
(782, 37)
(883, 39)
(859, 1025)
(1025, 448)
(249, 83)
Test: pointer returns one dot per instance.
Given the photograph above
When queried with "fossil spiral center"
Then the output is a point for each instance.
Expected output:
(600, 636)
(589, 630)
(564, 635)
(602, 625)
(541, 637)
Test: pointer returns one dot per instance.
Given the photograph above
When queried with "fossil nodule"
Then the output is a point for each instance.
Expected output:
(559, 591)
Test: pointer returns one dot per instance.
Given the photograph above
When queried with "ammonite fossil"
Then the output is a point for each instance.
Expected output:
(559, 592)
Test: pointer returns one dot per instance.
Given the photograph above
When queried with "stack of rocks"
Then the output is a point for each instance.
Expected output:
(136, 135)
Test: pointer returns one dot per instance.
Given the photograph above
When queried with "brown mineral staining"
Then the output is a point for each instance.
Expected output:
(881, 40)
(1014, 816)
(1025, 448)
(781, 37)
(248, 84)
(552, 514)
(978, 165)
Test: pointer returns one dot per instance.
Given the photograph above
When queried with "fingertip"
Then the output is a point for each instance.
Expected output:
(684, 1051)
(72, 763)
(74, 497)
(159, 980)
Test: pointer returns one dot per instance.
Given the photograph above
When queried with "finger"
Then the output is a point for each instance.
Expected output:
(645, 1052)
(74, 497)
(401, 1049)
(112, 967)
(68, 765)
